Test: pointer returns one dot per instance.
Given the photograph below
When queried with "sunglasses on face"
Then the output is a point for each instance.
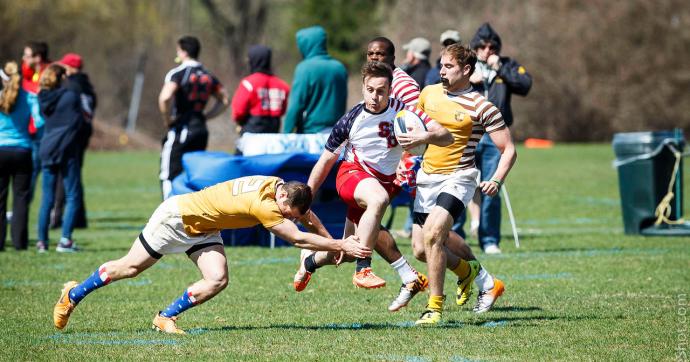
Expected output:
(487, 45)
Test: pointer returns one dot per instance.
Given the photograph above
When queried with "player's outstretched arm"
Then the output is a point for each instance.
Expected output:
(288, 230)
(504, 142)
(321, 169)
(312, 223)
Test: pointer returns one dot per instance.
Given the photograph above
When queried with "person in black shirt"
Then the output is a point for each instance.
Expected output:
(79, 82)
(417, 59)
(188, 87)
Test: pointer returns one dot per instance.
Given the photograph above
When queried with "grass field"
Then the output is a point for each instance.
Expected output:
(577, 289)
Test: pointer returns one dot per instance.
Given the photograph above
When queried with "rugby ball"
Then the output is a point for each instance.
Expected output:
(408, 121)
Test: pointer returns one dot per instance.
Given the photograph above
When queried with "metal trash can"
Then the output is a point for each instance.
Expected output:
(646, 163)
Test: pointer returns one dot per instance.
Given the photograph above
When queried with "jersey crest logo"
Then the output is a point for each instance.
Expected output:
(460, 115)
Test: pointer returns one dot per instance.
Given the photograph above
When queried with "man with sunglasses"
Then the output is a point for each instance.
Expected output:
(497, 78)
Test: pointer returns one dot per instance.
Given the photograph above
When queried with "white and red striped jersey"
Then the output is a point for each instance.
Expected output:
(369, 139)
(405, 88)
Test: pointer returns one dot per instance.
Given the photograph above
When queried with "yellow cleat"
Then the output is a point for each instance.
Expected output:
(429, 318)
(166, 325)
(64, 306)
(464, 290)
(366, 278)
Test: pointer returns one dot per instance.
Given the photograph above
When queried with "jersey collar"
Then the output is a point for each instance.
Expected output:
(191, 63)
(460, 92)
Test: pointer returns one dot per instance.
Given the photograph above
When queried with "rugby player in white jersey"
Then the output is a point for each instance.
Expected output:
(372, 153)
(462, 261)
(464, 264)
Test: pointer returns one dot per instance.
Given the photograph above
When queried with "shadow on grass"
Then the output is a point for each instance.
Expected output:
(447, 324)
(141, 337)
(516, 309)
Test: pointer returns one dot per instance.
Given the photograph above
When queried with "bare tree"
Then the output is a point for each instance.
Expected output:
(241, 25)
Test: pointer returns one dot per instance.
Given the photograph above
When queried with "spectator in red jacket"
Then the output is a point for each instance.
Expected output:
(34, 61)
(261, 98)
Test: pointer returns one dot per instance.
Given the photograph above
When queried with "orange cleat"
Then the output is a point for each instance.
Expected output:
(408, 291)
(487, 298)
(166, 325)
(64, 306)
(302, 277)
(366, 278)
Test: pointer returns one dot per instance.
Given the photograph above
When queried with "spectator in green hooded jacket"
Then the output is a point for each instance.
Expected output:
(319, 86)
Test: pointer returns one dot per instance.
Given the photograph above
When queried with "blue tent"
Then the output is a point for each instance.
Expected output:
(203, 169)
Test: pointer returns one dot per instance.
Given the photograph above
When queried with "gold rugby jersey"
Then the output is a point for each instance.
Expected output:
(234, 204)
(467, 115)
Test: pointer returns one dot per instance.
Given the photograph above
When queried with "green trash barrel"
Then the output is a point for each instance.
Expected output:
(645, 165)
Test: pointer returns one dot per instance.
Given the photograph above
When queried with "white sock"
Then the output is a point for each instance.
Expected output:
(484, 280)
(407, 274)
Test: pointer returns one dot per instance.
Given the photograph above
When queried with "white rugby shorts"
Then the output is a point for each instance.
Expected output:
(165, 234)
(461, 184)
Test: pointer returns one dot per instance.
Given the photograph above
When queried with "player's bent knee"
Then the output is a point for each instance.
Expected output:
(223, 283)
(418, 253)
(429, 237)
(378, 203)
(382, 202)
(218, 284)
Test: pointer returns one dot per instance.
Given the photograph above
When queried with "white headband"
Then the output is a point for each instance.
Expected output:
(4, 75)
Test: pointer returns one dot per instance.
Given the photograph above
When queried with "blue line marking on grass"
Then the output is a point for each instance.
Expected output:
(562, 275)
(108, 339)
(392, 357)
(197, 331)
(11, 283)
(493, 324)
(461, 359)
(407, 324)
(583, 253)
(139, 282)
(136, 342)
(263, 261)
(598, 201)
(344, 326)
(574, 230)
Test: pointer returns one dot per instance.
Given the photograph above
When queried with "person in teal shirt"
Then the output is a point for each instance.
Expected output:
(16, 107)
(319, 87)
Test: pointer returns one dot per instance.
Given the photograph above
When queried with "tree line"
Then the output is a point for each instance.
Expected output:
(599, 66)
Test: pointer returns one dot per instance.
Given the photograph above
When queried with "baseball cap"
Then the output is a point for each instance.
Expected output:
(71, 60)
(450, 35)
(420, 47)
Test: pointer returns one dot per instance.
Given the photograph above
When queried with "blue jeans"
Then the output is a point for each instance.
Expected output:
(486, 158)
(36, 160)
(71, 174)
